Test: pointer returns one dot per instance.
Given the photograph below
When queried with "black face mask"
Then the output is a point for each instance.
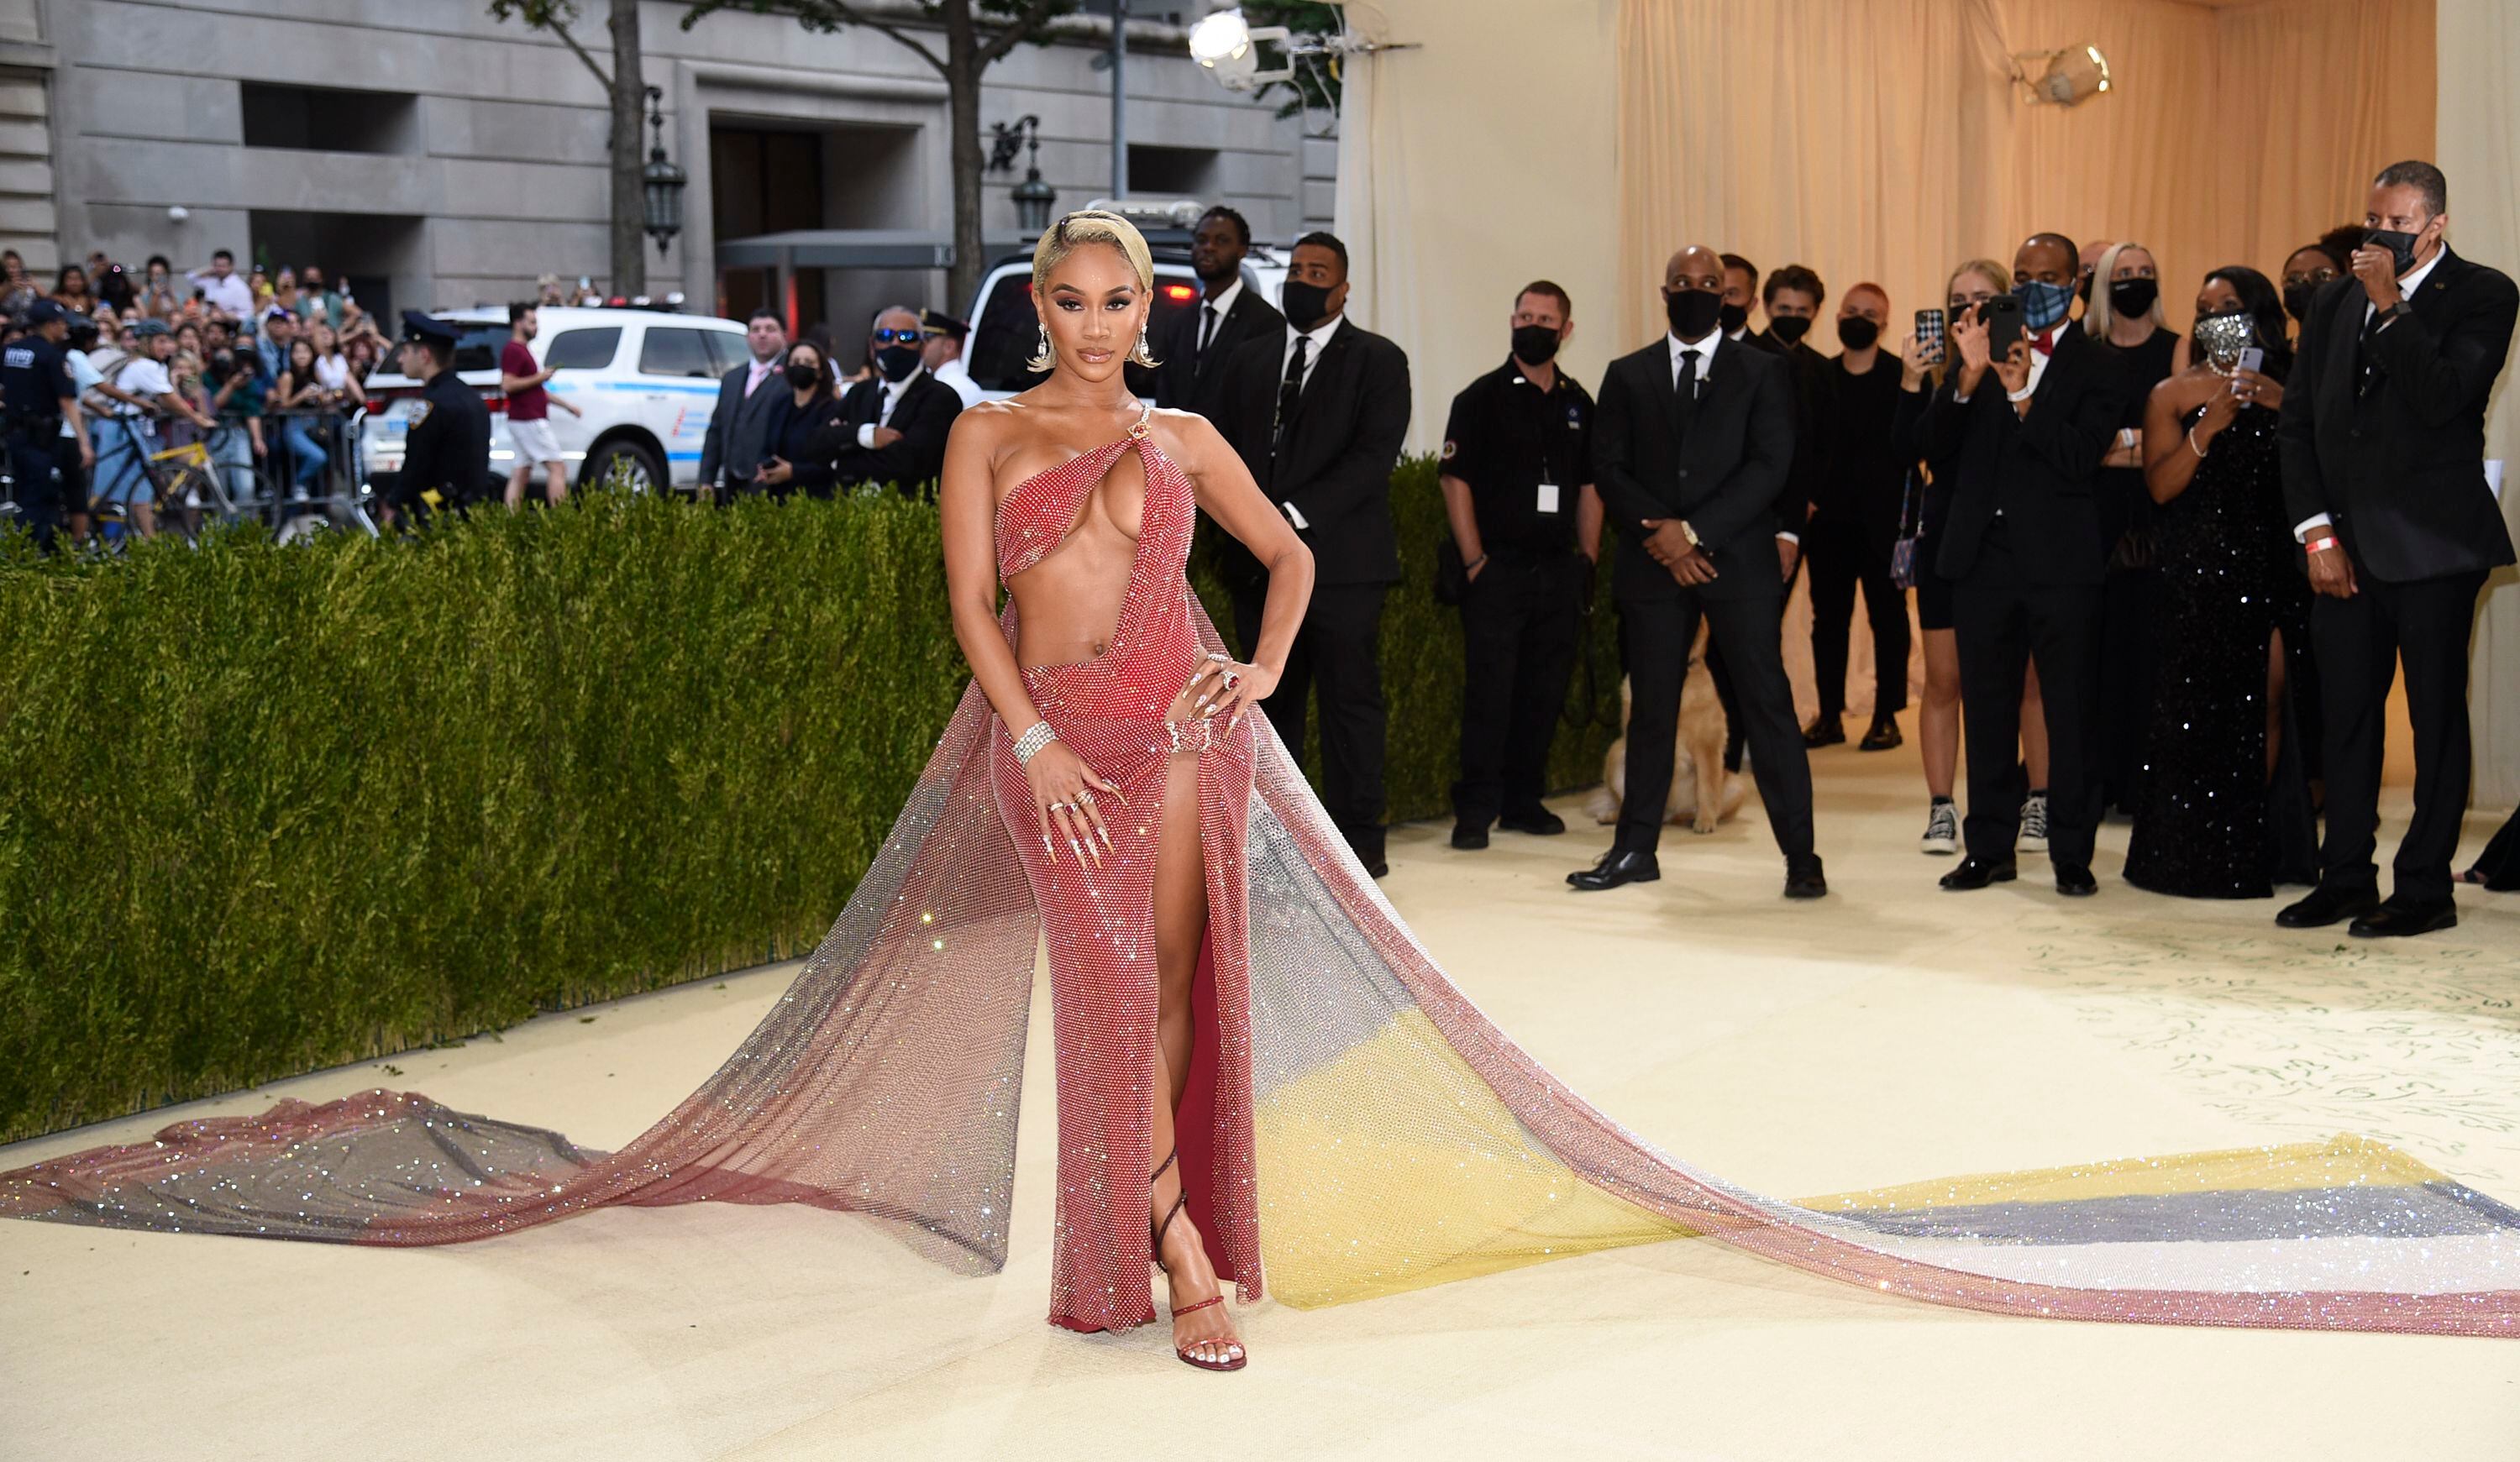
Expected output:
(1732, 317)
(1790, 329)
(1306, 305)
(1856, 332)
(2400, 247)
(1535, 345)
(803, 374)
(2297, 297)
(1692, 312)
(896, 361)
(2133, 297)
(2085, 289)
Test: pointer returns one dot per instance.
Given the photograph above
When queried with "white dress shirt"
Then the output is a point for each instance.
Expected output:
(892, 391)
(1222, 305)
(2408, 283)
(1318, 336)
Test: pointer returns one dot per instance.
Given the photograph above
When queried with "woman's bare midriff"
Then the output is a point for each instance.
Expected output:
(1067, 605)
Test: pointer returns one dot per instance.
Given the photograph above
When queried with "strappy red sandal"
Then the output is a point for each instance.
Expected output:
(1158, 1230)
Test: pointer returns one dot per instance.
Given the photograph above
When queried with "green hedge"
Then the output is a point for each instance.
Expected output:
(271, 809)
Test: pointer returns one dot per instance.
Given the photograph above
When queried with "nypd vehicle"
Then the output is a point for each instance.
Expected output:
(646, 382)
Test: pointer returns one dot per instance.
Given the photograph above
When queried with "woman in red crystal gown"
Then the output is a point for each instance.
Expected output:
(1080, 502)
(1243, 1020)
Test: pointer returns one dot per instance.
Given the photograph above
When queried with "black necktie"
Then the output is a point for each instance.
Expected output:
(1207, 332)
(1289, 392)
(1685, 394)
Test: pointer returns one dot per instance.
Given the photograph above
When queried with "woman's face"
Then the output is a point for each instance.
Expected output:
(2133, 264)
(73, 280)
(2218, 297)
(1969, 289)
(802, 353)
(190, 339)
(1094, 309)
(326, 343)
(301, 356)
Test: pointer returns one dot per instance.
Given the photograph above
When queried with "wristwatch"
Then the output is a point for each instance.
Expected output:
(1690, 533)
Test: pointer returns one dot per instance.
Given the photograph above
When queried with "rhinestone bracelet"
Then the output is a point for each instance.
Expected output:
(1032, 742)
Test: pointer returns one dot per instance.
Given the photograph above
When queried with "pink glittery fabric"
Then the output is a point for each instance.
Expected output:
(1099, 918)
(1352, 1118)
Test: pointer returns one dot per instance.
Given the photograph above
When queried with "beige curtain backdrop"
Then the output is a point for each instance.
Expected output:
(1881, 139)
(2480, 151)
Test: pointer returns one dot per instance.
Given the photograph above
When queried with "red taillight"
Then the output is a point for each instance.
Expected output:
(1181, 294)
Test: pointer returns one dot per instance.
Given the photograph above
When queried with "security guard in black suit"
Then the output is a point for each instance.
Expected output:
(1517, 480)
(446, 454)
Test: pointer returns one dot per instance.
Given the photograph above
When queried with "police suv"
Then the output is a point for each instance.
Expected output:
(645, 380)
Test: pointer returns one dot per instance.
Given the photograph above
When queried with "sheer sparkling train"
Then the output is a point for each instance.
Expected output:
(1354, 1126)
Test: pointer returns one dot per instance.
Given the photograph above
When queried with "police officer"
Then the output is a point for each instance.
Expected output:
(1517, 481)
(446, 454)
(36, 396)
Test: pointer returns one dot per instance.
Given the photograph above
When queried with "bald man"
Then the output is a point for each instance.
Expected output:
(900, 415)
(1692, 439)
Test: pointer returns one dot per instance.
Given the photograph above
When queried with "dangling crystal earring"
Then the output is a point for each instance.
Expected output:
(1043, 351)
(1144, 355)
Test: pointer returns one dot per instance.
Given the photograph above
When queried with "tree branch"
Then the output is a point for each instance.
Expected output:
(562, 30)
(827, 15)
(1024, 24)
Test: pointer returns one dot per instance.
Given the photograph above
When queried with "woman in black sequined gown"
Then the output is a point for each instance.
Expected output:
(2224, 812)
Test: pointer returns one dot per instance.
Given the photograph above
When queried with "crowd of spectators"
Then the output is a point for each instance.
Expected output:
(261, 366)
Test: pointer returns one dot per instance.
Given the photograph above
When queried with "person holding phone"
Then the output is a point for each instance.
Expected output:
(2025, 422)
(2384, 478)
(1925, 365)
(2225, 810)
(2125, 315)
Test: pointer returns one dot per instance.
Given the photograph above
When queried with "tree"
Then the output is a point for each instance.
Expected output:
(626, 84)
(977, 33)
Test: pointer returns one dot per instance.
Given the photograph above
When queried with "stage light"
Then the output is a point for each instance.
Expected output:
(2074, 74)
(1229, 47)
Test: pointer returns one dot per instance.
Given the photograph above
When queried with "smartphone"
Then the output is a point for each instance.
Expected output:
(1931, 339)
(2003, 318)
(2252, 358)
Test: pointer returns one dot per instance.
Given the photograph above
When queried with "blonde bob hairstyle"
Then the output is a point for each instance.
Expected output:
(2099, 315)
(1088, 225)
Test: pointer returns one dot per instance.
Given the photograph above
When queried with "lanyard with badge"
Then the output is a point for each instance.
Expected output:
(1547, 498)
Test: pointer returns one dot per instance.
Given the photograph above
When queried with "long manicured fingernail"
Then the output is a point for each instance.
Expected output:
(1106, 838)
(1045, 848)
(1079, 852)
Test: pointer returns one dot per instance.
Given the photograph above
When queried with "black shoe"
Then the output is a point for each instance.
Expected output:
(2328, 904)
(1539, 822)
(1469, 838)
(1974, 874)
(1884, 736)
(1617, 867)
(1804, 879)
(1825, 732)
(2395, 920)
(1378, 869)
(2075, 881)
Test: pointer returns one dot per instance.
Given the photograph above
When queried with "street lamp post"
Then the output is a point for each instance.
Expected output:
(1033, 197)
(661, 180)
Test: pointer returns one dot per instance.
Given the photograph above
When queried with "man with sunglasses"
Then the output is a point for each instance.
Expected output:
(901, 414)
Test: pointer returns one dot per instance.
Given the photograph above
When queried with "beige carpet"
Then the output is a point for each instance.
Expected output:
(1888, 1034)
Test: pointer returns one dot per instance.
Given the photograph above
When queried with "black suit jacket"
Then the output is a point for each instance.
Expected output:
(2400, 466)
(924, 416)
(2039, 469)
(1724, 474)
(1341, 446)
(1188, 380)
(741, 427)
(1807, 479)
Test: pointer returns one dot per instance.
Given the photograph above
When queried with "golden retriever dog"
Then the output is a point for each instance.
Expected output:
(1702, 793)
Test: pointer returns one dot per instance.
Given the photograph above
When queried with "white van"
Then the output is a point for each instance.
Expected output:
(645, 380)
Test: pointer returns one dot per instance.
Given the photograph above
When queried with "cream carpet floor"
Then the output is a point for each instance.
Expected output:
(1890, 1033)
